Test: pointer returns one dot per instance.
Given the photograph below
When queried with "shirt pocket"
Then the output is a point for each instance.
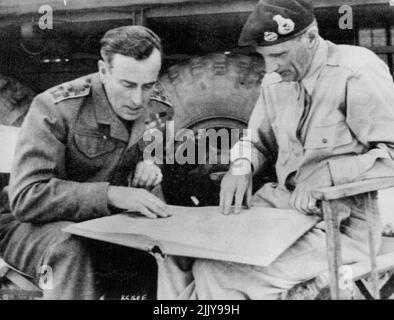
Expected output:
(328, 136)
(93, 144)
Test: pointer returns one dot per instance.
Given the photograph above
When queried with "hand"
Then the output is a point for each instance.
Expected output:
(236, 183)
(303, 201)
(147, 175)
(140, 200)
(302, 198)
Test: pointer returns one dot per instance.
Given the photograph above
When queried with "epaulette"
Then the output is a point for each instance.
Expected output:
(73, 89)
(159, 95)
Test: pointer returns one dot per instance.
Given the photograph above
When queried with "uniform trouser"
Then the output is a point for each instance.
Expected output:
(304, 260)
(71, 267)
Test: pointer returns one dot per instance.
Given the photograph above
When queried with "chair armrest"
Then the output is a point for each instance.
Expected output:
(352, 189)
(341, 191)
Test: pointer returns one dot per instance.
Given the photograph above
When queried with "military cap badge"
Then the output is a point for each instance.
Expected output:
(270, 36)
(285, 26)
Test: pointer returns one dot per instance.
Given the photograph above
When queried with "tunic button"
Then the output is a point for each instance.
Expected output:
(105, 137)
(324, 140)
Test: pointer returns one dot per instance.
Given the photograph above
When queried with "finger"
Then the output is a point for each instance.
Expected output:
(249, 194)
(298, 200)
(154, 177)
(228, 199)
(137, 174)
(305, 202)
(158, 205)
(239, 197)
(158, 179)
(145, 177)
(161, 204)
(310, 204)
(225, 193)
(157, 210)
(221, 200)
(150, 179)
(225, 207)
(146, 212)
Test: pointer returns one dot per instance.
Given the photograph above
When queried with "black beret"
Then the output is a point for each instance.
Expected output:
(276, 21)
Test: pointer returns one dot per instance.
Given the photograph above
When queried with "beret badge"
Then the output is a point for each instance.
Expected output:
(285, 26)
(270, 36)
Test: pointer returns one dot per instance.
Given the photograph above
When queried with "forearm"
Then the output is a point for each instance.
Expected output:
(59, 200)
(376, 163)
(370, 116)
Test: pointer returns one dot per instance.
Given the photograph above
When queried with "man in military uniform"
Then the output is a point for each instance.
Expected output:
(80, 156)
(322, 118)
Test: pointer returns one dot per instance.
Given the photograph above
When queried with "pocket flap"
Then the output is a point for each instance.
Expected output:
(328, 136)
(93, 144)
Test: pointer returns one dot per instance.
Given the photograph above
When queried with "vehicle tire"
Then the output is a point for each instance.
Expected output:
(210, 92)
(216, 87)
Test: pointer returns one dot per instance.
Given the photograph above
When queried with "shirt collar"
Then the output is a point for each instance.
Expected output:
(318, 61)
(106, 115)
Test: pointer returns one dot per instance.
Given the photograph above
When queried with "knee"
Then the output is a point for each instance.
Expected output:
(67, 249)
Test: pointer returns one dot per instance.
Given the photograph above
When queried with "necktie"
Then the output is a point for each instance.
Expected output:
(307, 103)
(307, 106)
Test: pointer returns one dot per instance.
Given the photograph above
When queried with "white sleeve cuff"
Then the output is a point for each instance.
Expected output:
(246, 150)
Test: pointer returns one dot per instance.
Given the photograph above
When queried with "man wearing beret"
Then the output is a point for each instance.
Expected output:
(80, 156)
(323, 118)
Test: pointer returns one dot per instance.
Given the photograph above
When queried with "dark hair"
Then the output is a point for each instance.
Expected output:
(132, 41)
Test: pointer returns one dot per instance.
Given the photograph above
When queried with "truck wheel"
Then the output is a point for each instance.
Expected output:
(15, 100)
(218, 87)
(217, 91)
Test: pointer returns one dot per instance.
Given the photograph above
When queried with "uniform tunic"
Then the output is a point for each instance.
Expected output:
(72, 146)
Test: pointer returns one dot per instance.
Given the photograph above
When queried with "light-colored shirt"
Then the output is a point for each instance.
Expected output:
(348, 133)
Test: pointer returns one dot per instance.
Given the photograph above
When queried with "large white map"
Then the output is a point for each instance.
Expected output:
(256, 236)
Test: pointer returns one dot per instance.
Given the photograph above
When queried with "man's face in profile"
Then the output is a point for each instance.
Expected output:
(289, 59)
(129, 83)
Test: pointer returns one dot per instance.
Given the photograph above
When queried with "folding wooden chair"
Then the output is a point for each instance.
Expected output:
(374, 277)
(378, 264)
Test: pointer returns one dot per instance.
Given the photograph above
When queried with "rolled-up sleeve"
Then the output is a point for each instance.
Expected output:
(39, 189)
(370, 116)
